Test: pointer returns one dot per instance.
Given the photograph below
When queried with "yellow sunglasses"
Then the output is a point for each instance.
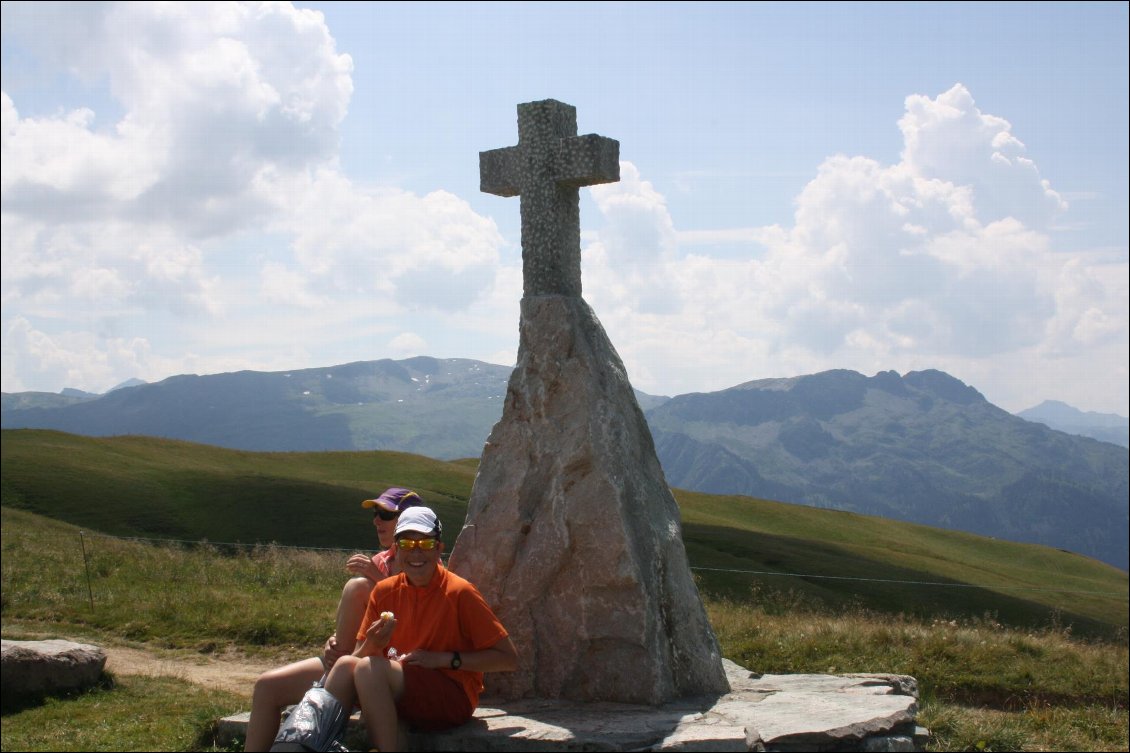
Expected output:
(407, 545)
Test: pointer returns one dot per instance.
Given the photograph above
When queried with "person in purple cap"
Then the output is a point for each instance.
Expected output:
(278, 688)
(368, 571)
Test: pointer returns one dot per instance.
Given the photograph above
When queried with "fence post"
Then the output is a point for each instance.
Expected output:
(86, 565)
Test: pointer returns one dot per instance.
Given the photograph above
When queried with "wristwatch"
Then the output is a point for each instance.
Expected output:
(456, 662)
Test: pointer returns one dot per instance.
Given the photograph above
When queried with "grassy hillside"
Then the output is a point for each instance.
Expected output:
(742, 549)
(142, 486)
(891, 566)
(983, 685)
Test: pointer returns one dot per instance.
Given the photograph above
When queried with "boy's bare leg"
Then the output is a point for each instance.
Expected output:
(339, 682)
(379, 683)
(274, 690)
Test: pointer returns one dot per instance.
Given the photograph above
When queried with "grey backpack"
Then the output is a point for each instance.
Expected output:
(315, 724)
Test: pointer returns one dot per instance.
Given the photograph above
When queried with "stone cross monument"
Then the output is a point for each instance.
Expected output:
(572, 534)
(549, 165)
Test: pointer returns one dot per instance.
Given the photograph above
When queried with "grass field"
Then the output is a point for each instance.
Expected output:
(1014, 646)
(134, 713)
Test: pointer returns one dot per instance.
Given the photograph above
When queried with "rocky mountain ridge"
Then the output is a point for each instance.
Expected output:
(923, 447)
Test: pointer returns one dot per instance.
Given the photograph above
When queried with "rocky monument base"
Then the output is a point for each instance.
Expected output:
(573, 536)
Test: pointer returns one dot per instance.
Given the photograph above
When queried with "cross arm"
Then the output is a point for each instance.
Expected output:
(587, 160)
(499, 170)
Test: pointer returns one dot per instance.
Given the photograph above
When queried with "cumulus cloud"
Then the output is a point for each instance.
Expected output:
(1092, 308)
(103, 268)
(408, 344)
(221, 122)
(942, 258)
(213, 93)
(117, 217)
(425, 252)
(634, 250)
(950, 139)
(80, 359)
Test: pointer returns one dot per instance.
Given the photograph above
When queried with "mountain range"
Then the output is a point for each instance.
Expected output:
(922, 447)
(1105, 427)
(439, 408)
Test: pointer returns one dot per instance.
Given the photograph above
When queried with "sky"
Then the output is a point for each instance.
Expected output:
(211, 187)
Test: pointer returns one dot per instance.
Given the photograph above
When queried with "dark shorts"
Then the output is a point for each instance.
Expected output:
(432, 701)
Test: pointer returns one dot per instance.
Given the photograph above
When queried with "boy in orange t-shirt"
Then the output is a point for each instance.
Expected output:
(285, 685)
(425, 641)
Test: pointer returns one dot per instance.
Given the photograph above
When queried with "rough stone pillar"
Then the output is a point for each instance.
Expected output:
(573, 535)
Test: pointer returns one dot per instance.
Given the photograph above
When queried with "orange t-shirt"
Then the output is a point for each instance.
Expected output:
(448, 614)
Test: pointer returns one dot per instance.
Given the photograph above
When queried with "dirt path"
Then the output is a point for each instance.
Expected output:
(234, 675)
(231, 671)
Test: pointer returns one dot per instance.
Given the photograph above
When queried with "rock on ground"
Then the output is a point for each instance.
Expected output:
(33, 669)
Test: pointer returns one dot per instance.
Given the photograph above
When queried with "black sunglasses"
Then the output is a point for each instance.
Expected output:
(386, 514)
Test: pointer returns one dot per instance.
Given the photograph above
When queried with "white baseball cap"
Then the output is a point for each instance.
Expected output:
(419, 519)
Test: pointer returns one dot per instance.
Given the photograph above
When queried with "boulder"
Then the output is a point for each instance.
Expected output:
(32, 669)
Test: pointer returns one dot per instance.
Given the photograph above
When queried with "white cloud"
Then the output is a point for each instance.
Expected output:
(59, 168)
(629, 262)
(114, 219)
(223, 130)
(940, 260)
(228, 128)
(1092, 308)
(408, 344)
(214, 93)
(429, 252)
(77, 359)
(949, 138)
(286, 287)
(102, 268)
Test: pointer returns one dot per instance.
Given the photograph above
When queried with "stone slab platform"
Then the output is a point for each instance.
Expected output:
(873, 712)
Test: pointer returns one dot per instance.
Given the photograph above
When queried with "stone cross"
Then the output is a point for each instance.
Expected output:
(572, 534)
(547, 167)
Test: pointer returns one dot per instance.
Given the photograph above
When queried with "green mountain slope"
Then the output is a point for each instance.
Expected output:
(135, 486)
(141, 486)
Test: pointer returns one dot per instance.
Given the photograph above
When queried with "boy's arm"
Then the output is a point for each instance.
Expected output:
(501, 657)
(377, 636)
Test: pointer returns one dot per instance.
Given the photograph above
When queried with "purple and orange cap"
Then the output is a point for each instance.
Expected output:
(396, 499)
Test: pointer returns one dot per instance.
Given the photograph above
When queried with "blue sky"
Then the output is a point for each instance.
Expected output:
(200, 188)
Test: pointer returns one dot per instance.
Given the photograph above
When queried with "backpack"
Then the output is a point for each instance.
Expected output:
(315, 724)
